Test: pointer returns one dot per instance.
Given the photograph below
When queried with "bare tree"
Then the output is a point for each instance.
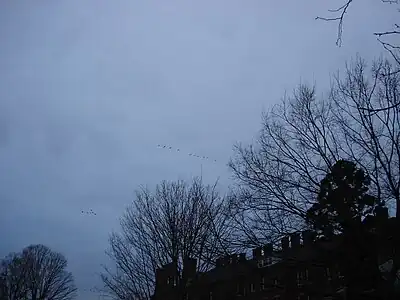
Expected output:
(47, 275)
(175, 221)
(301, 139)
(12, 278)
(37, 273)
(278, 178)
(370, 124)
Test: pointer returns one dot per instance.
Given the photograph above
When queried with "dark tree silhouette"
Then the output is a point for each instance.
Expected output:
(343, 205)
(37, 273)
(175, 221)
(343, 200)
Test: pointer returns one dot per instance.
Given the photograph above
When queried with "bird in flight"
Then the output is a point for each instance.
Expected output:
(190, 154)
(89, 212)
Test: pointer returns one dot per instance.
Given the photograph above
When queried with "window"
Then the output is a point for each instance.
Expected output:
(275, 282)
(172, 281)
(337, 274)
(240, 289)
(252, 288)
(262, 282)
(189, 282)
(328, 273)
(260, 263)
(264, 262)
(301, 277)
(340, 276)
(301, 297)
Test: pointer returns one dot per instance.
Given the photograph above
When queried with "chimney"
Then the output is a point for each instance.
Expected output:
(382, 213)
(257, 253)
(171, 274)
(218, 262)
(285, 243)
(242, 257)
(189, 268)
(225, 260)
(295, 240)
(268, 249)
(172, 268)
(308, 237)
(233, 259)
(358, 219)
(161, 279)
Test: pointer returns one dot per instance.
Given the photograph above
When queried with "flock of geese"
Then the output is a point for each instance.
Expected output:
(170, 148)
(189, 154)
(88, 212)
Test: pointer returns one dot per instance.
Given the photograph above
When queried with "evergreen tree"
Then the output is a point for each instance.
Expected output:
(343, 200)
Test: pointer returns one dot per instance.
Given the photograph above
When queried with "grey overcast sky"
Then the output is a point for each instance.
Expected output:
(89, 88)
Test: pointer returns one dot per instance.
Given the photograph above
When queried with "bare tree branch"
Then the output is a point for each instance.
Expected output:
(300, 140)
(178, 220)
(340, 12)
(339, 17)
(390, 47)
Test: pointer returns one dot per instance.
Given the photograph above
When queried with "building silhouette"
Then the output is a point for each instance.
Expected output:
(303, 268)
